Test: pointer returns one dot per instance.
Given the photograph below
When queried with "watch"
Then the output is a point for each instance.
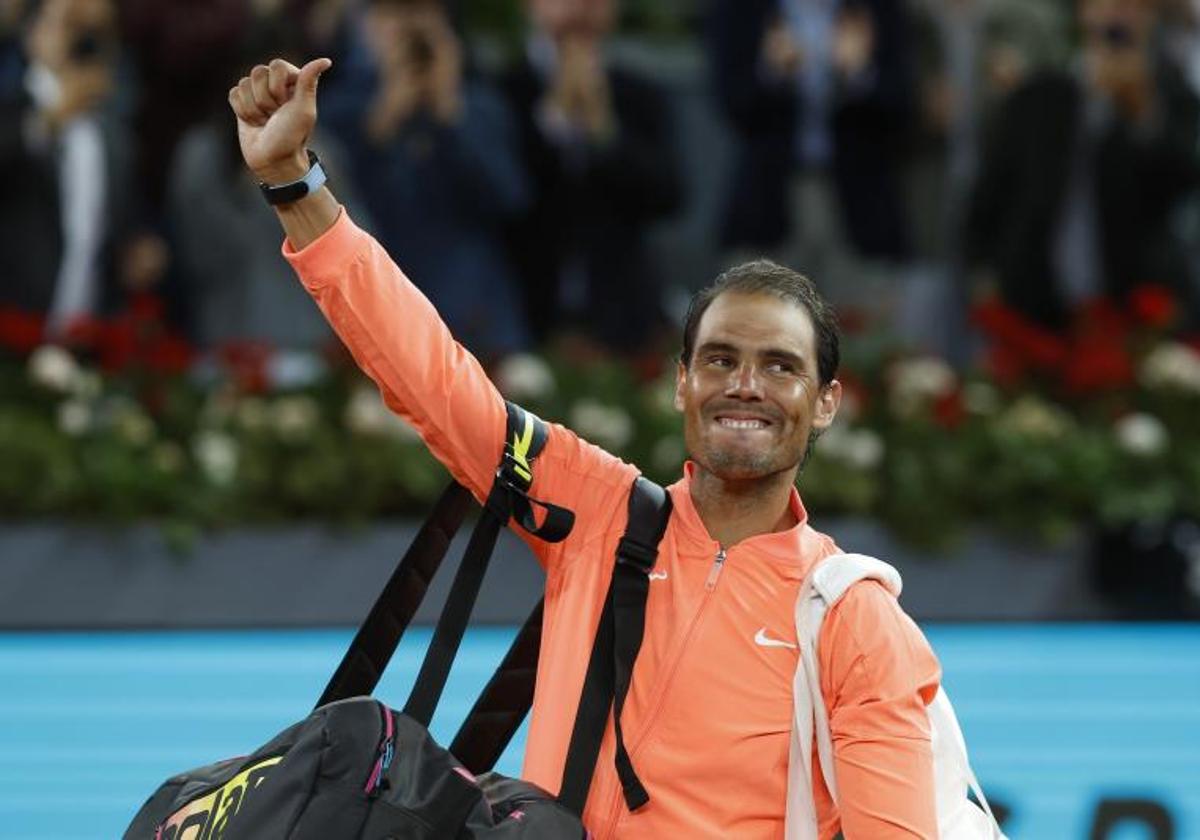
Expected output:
(296, 190)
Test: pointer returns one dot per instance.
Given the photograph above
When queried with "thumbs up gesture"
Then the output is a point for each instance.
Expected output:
(276, 108)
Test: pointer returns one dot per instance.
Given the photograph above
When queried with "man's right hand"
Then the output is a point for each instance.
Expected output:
(276, 108)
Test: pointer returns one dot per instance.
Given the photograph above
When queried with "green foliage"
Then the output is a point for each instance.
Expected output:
(914, 446)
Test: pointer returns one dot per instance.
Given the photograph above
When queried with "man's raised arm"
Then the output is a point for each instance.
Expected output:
(392, 330)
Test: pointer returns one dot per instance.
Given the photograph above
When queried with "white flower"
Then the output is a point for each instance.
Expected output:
(524, 376)
(1172, 365)
(604, 425)
(1141, 434)
(366, 414)
(53, 368)
(860, 449)
(75, 417)
(1034, 418)
(915, 382)
(981, 398)
(217, 454)
(294, 417)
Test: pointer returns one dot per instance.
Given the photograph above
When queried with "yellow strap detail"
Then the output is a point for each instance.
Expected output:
(521, 444)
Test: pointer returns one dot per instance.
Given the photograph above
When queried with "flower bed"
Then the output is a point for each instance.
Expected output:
(124, 422)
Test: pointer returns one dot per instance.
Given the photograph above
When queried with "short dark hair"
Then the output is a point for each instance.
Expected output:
(766, 277)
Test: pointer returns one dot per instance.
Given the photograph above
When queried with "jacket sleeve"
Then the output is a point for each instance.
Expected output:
(429, 379)
(877, 675)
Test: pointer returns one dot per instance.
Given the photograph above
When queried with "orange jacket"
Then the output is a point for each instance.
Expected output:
(708, 717)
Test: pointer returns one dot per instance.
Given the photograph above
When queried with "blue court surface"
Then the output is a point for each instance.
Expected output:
(1066, 723)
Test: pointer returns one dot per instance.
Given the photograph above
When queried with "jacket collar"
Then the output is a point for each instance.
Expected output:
(798, 547)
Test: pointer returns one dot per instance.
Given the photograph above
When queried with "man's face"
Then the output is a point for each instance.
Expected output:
(1116, 24)
(751, 394)
(560, 19)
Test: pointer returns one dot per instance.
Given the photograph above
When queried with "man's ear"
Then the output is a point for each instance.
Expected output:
(680, 382)
(827, 405)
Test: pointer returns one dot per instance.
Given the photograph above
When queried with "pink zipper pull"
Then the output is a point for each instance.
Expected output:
(718, 564)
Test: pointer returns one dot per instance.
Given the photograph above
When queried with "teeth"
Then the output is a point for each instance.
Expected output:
(742, 424)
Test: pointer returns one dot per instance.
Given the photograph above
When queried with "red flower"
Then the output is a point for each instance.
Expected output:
(20, 331)
(1153, 305)
(1028, 343)
(146, 308)
(247, 361)
(949, 410)
(1098, 365)
(84, 332)
(117, 344)
(168, 354)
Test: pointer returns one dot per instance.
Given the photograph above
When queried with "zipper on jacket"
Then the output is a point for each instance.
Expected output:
(717, 566)
(387, 749)
(709, 585)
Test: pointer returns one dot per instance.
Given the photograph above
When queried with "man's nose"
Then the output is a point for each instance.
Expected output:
(745, 382)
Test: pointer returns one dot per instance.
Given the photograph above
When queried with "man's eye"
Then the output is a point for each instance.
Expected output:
(780, 367)
(720, 361)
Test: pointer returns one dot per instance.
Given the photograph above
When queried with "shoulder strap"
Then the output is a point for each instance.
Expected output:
(380, 633)
(615, 649)
(508, 696)
(525, 437)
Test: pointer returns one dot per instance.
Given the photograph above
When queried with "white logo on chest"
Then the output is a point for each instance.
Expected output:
(657, 576)
(763, 640)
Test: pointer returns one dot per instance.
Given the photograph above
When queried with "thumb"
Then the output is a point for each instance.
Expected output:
(306, 83)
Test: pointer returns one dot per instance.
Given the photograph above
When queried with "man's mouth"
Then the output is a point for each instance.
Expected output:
(748, 423)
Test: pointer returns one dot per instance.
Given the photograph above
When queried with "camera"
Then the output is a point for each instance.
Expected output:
(88, 45)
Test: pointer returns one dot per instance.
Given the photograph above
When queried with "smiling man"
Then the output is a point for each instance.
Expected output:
(709, 715)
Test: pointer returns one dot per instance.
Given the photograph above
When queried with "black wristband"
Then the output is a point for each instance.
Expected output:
(296, 190)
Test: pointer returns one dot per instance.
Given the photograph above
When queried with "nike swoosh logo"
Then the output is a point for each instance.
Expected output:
(761, 638)
(657, 576)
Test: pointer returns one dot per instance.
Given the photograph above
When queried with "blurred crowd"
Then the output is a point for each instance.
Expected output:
(913, 156)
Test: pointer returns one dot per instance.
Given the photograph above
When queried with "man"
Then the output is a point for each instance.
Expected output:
(596, 139)
(819, 95)
(64, 211)
(708, 718)
(434, 152)
(1083, 178)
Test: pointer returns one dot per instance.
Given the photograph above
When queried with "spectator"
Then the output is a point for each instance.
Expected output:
(819, 95)
(435, 157)
(182, 50)
(971, 54)
(596, 139)
(1084, 173)
(65, 206)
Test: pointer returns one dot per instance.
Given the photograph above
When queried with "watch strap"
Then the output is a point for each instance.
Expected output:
(313, 180)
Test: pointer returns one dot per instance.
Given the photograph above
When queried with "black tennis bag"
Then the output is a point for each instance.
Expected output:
(355, 768)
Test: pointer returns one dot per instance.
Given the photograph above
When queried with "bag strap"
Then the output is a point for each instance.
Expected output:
(377, 638)
(504, 701)
(615, 649)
